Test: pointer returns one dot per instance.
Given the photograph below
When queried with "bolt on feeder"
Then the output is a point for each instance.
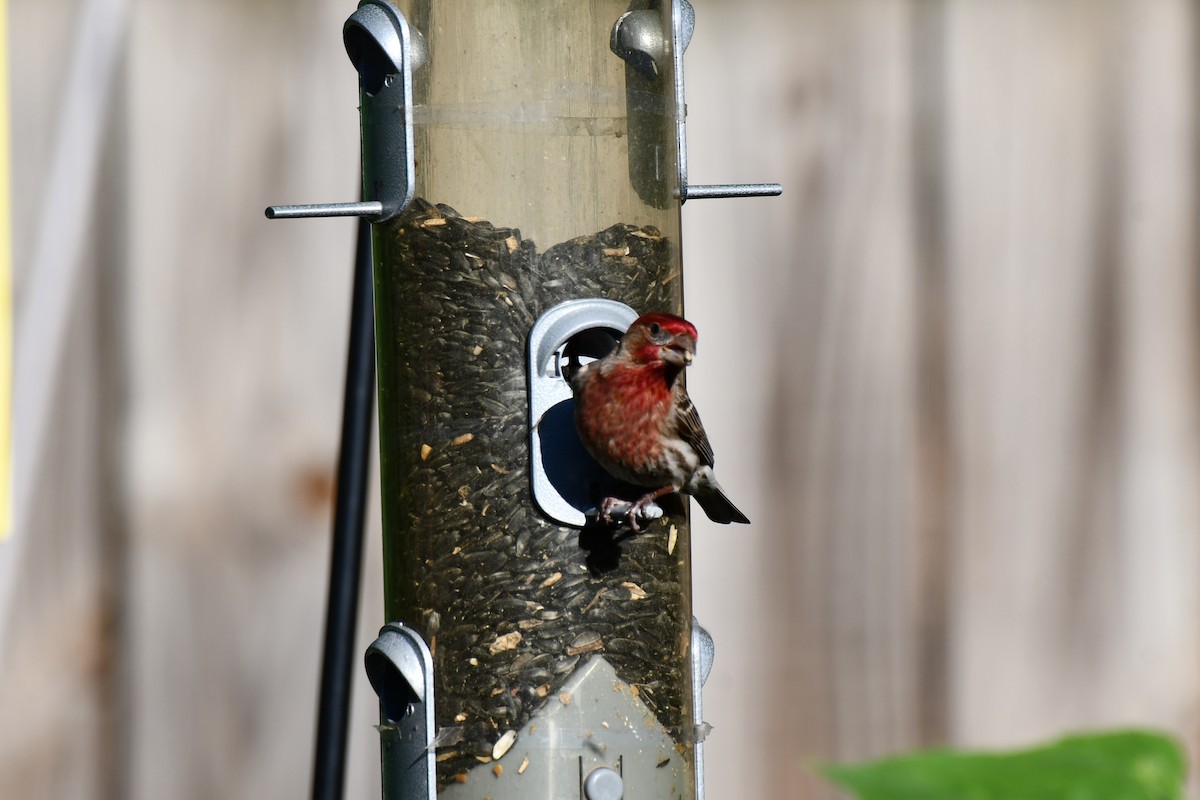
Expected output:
(523, 165)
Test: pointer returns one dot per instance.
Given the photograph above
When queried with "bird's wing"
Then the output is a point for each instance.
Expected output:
(691, 430)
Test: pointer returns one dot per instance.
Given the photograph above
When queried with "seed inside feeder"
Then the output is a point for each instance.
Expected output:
(455, 300)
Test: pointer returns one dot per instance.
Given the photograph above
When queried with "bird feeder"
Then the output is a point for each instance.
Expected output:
(524, 169)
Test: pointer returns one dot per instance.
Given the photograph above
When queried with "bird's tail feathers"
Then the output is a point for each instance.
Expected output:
(718, 507)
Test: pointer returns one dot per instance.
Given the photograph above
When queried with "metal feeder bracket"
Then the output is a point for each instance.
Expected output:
(639, 39)
(385, 51)
(400, 669)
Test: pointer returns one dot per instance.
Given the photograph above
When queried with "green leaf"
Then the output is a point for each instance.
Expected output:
(1124, 765)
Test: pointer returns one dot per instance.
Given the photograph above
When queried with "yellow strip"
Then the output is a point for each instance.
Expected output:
(5, 289)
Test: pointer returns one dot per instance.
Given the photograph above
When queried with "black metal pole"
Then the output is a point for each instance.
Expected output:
(345, 568)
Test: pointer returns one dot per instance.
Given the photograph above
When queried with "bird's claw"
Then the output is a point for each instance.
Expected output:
(614, 510)
(641, 509)
(606, 509)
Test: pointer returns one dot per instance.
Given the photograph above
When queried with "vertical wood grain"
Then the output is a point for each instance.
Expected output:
(951, 375)
(815, 95)
(236, 331)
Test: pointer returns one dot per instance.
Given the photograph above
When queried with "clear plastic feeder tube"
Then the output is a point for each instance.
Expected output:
(546, 170)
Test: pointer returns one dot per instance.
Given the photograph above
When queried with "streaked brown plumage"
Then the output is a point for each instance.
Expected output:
(635, 418)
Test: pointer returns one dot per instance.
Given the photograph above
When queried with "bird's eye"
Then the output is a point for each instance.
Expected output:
(655, 329)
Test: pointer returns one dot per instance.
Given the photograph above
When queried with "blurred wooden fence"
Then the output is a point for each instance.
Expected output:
(951, 375)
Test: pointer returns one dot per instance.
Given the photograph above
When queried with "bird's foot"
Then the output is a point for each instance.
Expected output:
(642, 507)
(607, 507)
(614, 510)
(639, 509)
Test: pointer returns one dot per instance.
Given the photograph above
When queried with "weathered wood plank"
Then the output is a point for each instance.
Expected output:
(951, 375)
(1072, 157)
(1053, 179)
(56, 655)
(237, 336)
(806, 303)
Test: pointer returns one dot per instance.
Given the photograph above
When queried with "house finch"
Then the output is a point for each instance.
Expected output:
(635, 418)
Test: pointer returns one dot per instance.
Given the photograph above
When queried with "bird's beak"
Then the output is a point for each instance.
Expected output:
(680, 351)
